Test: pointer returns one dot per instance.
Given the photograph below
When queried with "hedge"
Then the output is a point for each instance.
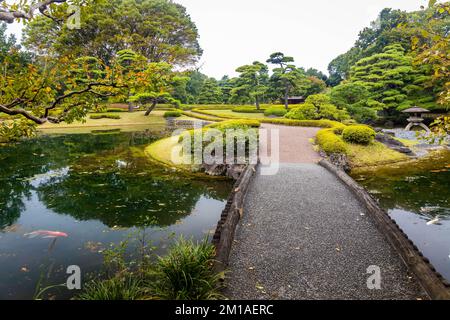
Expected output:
(330, 142)
(358, 134)
(104, 116)
(116, 110)
(173, 114)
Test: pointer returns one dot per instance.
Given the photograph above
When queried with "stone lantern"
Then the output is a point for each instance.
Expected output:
(415, 119)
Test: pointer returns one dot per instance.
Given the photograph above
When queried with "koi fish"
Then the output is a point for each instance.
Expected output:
(46, 234)
(434, 221)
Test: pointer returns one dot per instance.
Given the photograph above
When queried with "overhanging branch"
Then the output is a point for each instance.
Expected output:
(9, 16)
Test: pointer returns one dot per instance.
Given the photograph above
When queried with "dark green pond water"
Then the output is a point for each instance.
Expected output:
(99, 189)
(415, 194)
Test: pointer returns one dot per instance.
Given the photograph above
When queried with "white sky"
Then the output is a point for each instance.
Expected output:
(238, 32)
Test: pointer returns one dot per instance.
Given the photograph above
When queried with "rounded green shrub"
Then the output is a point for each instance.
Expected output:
(358, 134)
(275, 111)
(173, 114)
(330, 142)
(305, 112)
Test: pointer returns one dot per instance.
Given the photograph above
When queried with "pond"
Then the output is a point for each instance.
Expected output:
(417, 195)
(97, 188)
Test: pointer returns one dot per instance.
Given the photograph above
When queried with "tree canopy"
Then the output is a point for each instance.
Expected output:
(159, 30)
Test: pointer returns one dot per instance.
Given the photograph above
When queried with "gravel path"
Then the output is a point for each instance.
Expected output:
(295, 145)
(305, 236)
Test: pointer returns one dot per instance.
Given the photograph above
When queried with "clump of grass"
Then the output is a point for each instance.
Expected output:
(125, 287)
(186, 273)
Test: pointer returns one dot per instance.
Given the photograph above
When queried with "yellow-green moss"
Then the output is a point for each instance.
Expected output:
(373, 154)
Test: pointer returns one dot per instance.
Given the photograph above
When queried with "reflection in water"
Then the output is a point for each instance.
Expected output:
(417, 196)
(96, 188)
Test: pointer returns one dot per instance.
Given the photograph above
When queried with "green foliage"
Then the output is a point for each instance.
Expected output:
(113, 110)
(355, 99)
(371, 40)
(359, 134)
(159, 30)
(305, 112)
(318, 100)
(185, 273)
(126, 287)
(440, 131)
(210, 92)
(14, 130)
(252, 82)
(275, 111)
(317, 107)
(235, 124)
(173, 114)
(330, 142)
(303, 123)
(104, 116)
(285, 76)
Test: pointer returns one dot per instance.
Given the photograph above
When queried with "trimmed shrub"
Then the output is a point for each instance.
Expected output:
(359, 134)
(116, 110)
(173, 114)
(246, 109)
(275, 111)
(235, 124)
(212, 107)
(104, 116)
(330, 142)
(305, 112)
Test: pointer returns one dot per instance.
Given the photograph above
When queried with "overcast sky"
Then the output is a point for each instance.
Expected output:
(237, 32)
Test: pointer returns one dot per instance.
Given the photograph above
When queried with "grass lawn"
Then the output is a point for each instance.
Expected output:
(374, 154)
(127, 122)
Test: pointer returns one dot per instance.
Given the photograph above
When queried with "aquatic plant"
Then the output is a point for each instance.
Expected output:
(186, 273)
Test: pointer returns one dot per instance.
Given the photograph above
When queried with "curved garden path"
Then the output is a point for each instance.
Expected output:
(304, 235)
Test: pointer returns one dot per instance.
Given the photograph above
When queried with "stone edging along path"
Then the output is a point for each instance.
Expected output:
(234, 209)
(434, 284)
